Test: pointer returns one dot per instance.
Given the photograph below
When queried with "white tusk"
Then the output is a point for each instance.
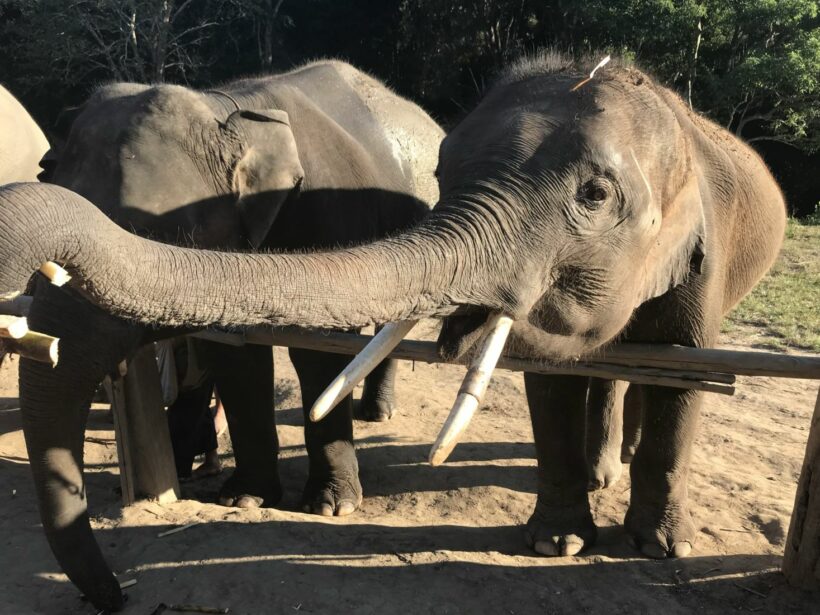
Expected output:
(472, 389)
(13, 327)
(55, 273)
(362, 364)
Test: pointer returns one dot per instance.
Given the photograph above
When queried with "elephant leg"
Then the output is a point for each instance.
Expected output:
(562, 522)
(244, 378)
(605, 405)
(378, 398)
(333, 486)
(633, 417)
(658, 519)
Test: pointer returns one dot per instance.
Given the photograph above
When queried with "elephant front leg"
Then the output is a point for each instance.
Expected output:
(562, 522)
(244, 379)
(378, 398)
(604, 431)
(658, 519)
(333, 486)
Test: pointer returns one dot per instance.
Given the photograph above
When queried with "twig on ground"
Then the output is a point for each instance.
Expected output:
(181, 528)
(196, 608)
(751, 591)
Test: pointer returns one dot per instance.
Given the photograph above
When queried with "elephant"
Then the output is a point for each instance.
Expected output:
(320, 156)
(586, 210)
(22, 143)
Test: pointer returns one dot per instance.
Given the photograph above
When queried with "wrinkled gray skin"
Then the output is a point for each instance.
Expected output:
(608, 212)
(315, 158)
(22, 143)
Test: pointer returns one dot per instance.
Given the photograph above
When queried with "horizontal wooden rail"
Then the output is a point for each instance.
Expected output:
(425, 352)
(658, 356)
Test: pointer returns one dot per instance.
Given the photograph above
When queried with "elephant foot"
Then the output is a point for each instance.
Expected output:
(241, 492)
(560, 530)
(337, 495)
(375, 410)
(605, 472)
(333, 487)
(660, 531)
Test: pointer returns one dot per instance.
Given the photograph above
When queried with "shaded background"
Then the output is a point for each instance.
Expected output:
(751, 65)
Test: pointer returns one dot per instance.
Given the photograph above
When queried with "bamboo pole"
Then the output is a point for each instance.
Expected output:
(35, 346)
(15, 304)
(801, 562)
(13, 327)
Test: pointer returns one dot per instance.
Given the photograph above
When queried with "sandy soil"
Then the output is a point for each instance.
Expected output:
(429, 540)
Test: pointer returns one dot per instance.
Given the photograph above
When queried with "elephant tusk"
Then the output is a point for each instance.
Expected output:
(472, 389)
(56, 274)
(362, 364)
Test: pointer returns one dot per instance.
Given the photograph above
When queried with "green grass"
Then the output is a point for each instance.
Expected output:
(785, 305)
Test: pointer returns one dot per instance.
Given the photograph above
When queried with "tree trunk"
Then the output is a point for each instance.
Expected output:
(163, 25)
(801, 562)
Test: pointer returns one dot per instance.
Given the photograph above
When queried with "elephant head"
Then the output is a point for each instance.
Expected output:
(141, 153)
(564, 208)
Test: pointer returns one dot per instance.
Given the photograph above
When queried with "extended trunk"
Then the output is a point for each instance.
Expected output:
(428, 271)
(425, 272)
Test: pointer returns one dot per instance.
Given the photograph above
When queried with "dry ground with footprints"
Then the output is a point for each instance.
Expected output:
(429, 540)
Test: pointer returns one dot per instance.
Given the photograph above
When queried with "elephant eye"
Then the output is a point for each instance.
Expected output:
(595, 193)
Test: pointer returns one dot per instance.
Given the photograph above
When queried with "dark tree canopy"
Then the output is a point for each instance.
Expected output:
(751, 65)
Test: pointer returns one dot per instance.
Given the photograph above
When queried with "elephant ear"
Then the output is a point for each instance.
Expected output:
(678, 249)
(57, 137)
(268, 170)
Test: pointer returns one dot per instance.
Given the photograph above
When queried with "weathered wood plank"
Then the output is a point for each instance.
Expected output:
(801, 562)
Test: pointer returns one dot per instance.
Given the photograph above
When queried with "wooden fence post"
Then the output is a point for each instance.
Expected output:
(146, 459)
(801, 562)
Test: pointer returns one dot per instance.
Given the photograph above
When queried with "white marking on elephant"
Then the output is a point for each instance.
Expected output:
(473, 388)
(362, 364)
(640, 170)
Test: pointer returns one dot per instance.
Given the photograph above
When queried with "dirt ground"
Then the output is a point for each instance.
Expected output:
(429, 540)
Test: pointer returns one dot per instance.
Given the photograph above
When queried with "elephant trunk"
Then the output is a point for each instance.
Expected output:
(429, 271)
(54, 404)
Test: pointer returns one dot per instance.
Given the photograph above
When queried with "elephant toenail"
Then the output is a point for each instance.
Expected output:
(324, 509)
(345, 508)
(573, 546)
(545, 547)
(681, 549)
(248, 501)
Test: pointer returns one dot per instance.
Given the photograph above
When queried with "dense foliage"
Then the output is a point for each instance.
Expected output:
(752, 65)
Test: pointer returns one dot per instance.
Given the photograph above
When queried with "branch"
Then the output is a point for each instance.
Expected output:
(775, 139)
(190, 30)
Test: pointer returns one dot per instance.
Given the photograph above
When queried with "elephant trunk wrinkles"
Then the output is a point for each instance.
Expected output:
(413, 275)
